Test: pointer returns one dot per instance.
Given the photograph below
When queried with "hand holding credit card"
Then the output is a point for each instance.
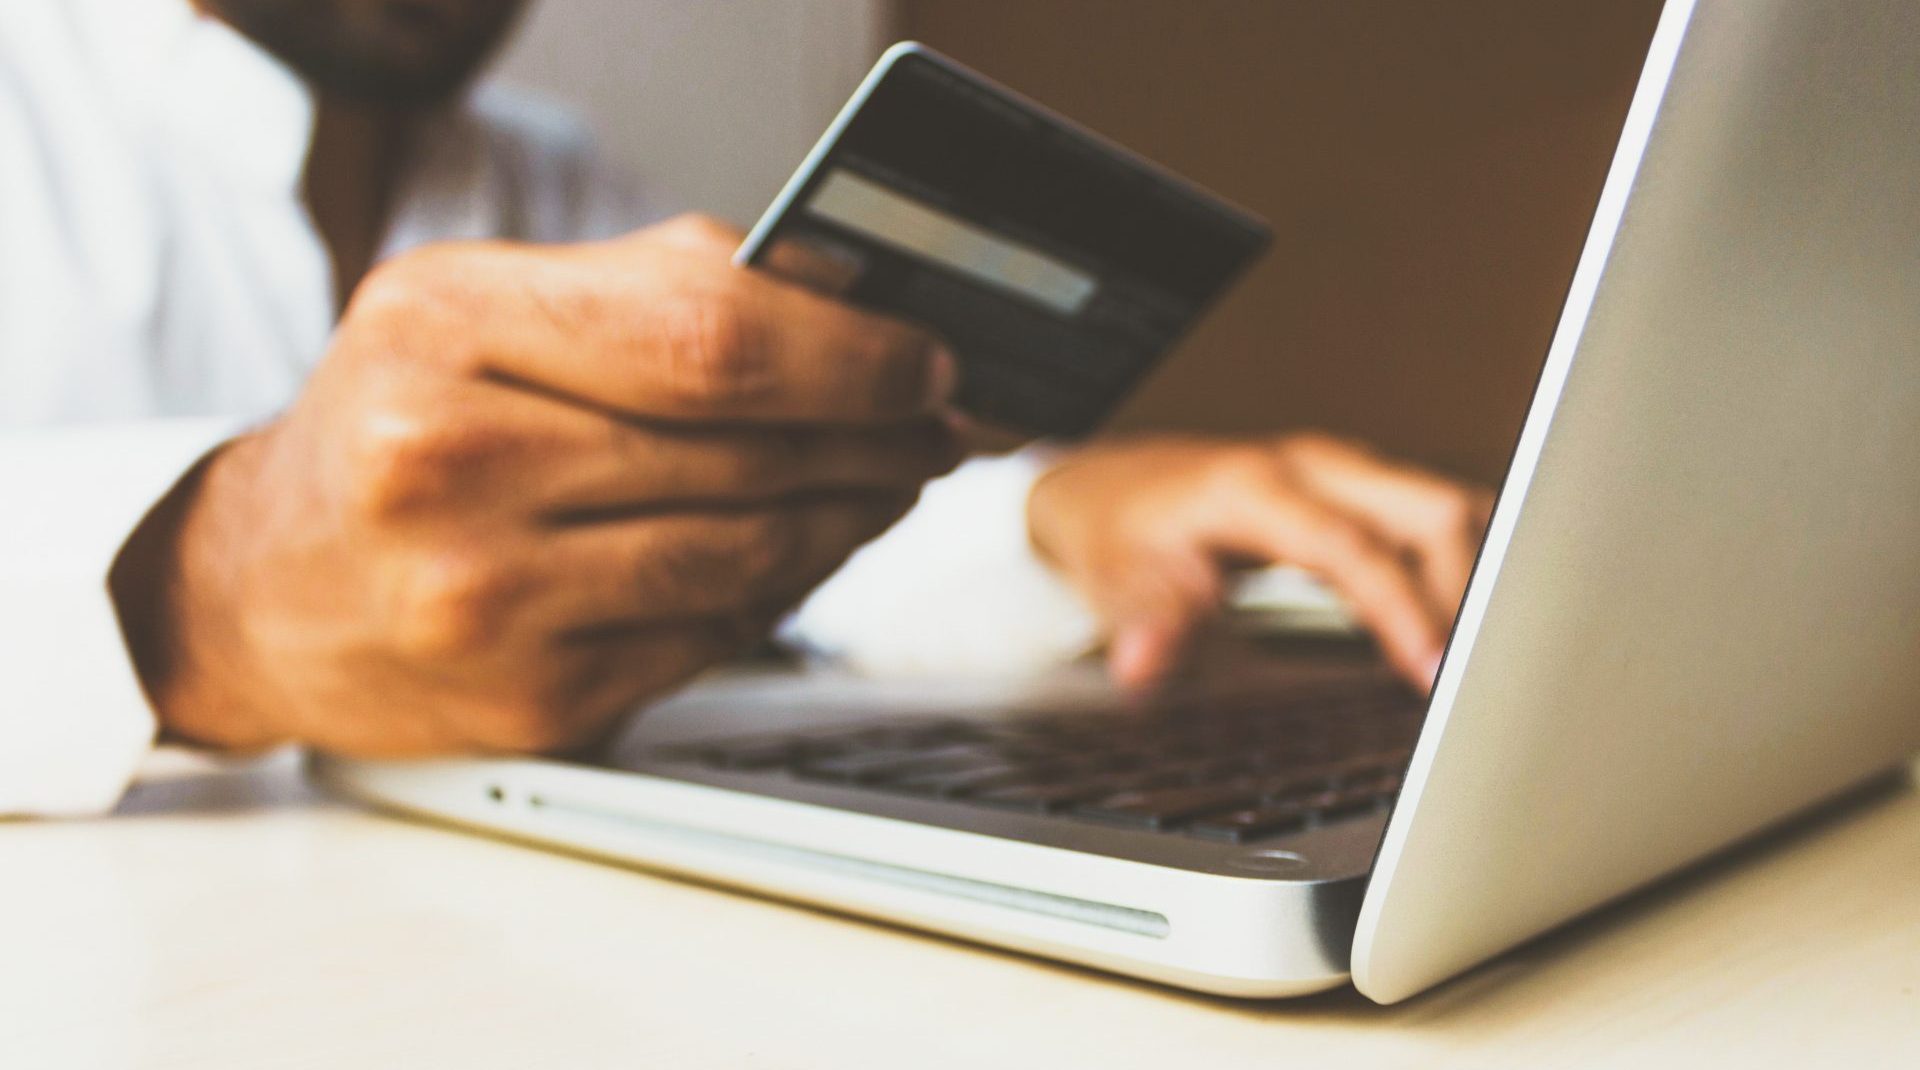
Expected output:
(1060, 267)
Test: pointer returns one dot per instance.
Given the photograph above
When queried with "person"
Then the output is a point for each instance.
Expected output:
(344, 405)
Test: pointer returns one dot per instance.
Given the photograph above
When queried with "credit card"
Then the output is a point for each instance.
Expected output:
(1059, 266)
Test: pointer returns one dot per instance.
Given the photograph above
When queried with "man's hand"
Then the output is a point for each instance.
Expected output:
(527, 489)
(1149, 528)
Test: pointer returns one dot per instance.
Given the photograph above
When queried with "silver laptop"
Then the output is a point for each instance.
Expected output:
(1697, 611)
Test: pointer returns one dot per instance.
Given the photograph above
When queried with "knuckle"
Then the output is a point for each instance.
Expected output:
(421, 305)
(450, 606)
(405, 462)
(1236, 469)
(713, 351)
(698, 228)
(393, 475)
(404, 286)
(393, 286)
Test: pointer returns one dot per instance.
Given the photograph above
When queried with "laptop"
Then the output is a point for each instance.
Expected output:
(1696, 612)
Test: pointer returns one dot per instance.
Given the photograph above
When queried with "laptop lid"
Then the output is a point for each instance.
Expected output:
(1698, 607)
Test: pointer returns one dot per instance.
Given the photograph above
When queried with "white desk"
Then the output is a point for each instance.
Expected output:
(230, 918)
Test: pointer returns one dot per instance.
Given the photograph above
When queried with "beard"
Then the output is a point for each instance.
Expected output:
(391, 53)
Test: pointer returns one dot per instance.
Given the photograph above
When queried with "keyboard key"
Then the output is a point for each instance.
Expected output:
(875, 766)
(1295, 783)
(1329, 806)
(750, 756)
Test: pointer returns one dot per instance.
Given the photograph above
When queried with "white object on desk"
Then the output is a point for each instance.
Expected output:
(1286, 599)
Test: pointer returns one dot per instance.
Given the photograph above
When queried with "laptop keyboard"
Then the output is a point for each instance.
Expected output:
(1231, 770)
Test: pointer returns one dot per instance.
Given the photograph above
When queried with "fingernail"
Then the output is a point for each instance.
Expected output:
(943, 375)
(1129, 648)
(1141, 657)
(1433, 670)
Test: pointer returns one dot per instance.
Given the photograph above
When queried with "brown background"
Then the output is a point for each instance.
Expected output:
(1430, 170)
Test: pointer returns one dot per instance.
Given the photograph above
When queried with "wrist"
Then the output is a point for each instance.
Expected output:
(172, 590)
(1042, 524)
(1041, 513)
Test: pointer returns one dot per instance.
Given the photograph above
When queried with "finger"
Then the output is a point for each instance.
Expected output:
(1286, 526)
(1157, 608)
(487, 446)
(636, 468)
(593, 578)
(665, 332)
(1440, 521)
(812, 264)
(1142, 656)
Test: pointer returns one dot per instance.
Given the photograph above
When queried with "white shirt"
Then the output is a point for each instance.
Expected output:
(162, 287)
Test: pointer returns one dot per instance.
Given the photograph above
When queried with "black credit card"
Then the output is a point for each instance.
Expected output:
(1059, 266)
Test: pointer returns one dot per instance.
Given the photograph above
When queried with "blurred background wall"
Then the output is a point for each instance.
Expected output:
(712, 103)
(1429, 168)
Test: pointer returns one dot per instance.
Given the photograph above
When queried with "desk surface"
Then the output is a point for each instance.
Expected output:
(230, 918)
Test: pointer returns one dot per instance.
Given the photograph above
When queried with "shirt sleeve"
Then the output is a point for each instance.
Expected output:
(74, 722)
(955, 589)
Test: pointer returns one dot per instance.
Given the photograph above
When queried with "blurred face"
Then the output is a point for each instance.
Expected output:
(392, 52)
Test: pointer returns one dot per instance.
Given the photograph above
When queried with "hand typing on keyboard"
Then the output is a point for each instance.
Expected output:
(1148, 529)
